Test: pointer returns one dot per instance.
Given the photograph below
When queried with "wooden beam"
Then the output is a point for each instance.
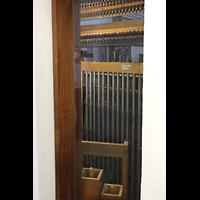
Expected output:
(117, 67)
(125, 178)
(105, 149)
(131, 24)
(66, 41)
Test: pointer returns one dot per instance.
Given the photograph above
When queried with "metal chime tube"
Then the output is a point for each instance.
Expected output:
(94, 116)
(108, 125)
(113, 122)
(82, 80)
(122, 133)
(90, 114)
(139, 134)
(98, 112)
(103, 130)
(127, 104)
(117, 129)
(133, 134)
(86, 109)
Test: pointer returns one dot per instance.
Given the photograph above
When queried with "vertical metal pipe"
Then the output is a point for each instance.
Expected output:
(122, 109)
(90, 114)
(113, 118)
(113, 105)
(82, 79)
(108, 96)
(117, 129)
(98, 112)
(117, 114)
(82, 110)
(94, 116)
(122, 131)
(103, 100)
(98, 105)
(139, 136)
(127, 105)
(86, 109)
(86, 105)
(133, 133)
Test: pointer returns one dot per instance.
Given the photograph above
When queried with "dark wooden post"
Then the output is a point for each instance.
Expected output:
(67, 91)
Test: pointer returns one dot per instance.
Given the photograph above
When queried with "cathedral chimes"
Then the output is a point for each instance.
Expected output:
(112, 38)
(100, 9)
(111, 82)
(97, 37)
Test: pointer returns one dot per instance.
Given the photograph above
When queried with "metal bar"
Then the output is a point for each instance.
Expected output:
(86, 110)
(82, 110)
(82, 79)
(133, 133)
(90, 114)
(122, 131)
(127, 104)
(108, 125)
(94, 116)
(117, 114)
(98, 112)
(139, 137)
(113, 122)
(86, 105)
(98, 105)
(113, 105)
(117, 128)
(103, 131)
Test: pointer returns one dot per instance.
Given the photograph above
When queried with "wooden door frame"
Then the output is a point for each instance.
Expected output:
(67, 94)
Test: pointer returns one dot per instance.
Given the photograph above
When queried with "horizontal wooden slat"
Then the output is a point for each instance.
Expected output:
(116, 30)
(114, 27)
(111, 7)
(105, 149)
(117, 67)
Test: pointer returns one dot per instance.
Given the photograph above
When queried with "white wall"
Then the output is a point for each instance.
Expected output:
(153, 186)
(43, 106)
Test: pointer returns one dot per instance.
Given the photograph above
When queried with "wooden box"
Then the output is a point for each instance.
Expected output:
(91, 187)
(111, 192)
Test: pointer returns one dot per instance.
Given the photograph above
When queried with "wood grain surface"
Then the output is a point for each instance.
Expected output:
(118, 67)
(67, 141)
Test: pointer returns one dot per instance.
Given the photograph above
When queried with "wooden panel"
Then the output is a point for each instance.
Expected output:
(105, 149)
(118, 67)
(67, 137)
